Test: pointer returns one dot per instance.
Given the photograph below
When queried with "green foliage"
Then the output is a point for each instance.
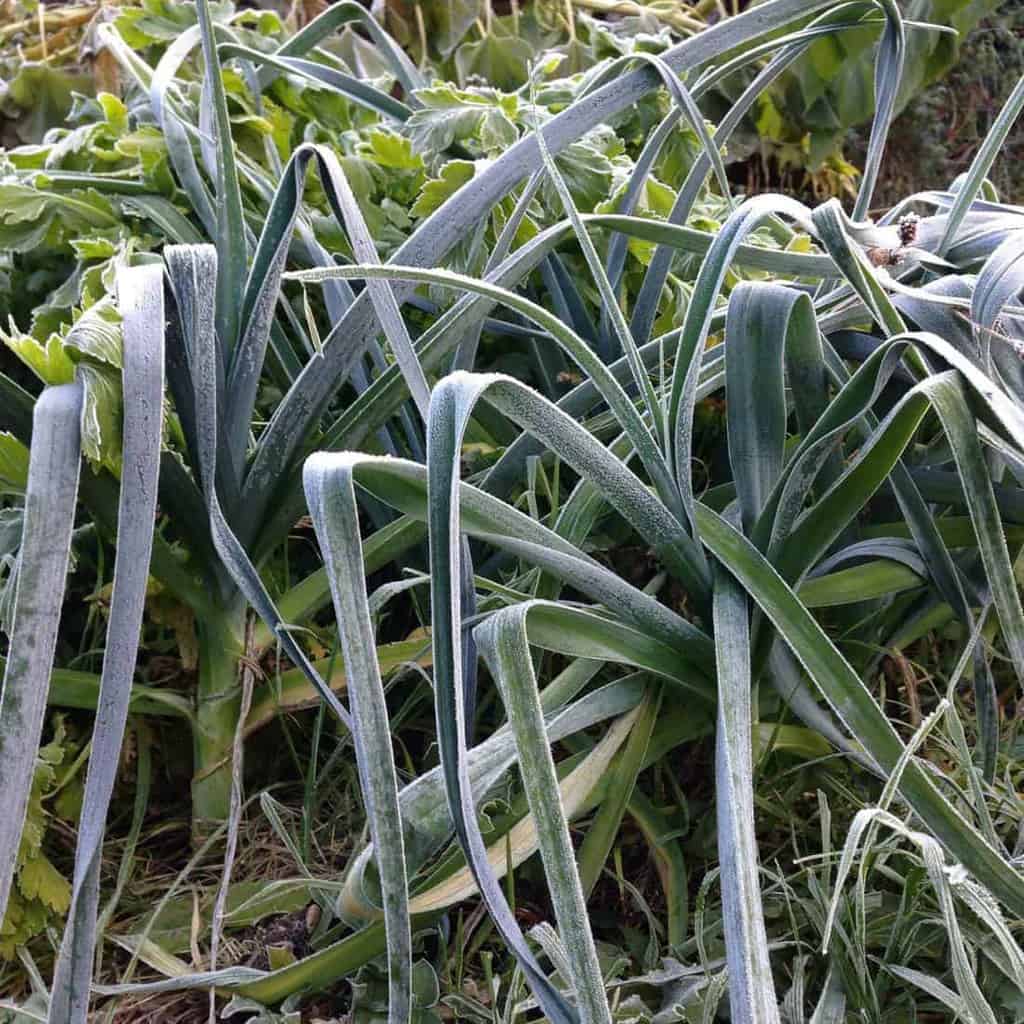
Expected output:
(803, 120)
(13, 464)
(632, 497)
(936, 149)
(158, 22)
(90, 348)
(41, 894)
(370, 995)
(450, 115)
(42, 96)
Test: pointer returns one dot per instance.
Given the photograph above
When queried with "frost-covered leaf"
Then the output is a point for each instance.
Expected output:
(27, 215)
(101, 416)
(96, 335)
(257, 1013)
(485, 117)
(40, 893)
(500, 60)
(370, 995)
(94, 248)
(163, 21)
(43, 93)
(586, 166)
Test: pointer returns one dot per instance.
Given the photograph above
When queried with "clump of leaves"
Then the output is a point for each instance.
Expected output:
(847, 505)
(41, 894)
(937, 151)
(799, 123)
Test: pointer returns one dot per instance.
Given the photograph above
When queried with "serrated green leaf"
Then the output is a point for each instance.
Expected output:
(39, 880)
(449, 115)
(49, 361)
(389, 149)
(436, 191)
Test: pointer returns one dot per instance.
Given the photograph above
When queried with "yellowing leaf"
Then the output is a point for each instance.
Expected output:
(40, 880)
(279, 956)
(769, 119)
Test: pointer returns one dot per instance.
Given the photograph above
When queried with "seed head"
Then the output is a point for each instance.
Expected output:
(908, 228)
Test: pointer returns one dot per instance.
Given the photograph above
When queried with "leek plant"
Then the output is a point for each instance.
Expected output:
(874, 441)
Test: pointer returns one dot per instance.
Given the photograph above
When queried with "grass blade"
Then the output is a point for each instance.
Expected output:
(323, 77)
(768, 326)
(645, 444)
(191, 269)
(50, 499)
(449, 414)
(345, 13)
(888, 71)
(697, 326)
(574, 346)
(332, 504)
(855, 706)
(141, 301)
(263, 287)
(581, 787)
(502, 640)
(231, 238)
(460, 214)
(600, 837)
(751, 988)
